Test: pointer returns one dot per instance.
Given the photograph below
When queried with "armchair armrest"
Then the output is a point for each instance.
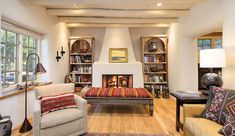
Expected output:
(81, 104)
(36, 118)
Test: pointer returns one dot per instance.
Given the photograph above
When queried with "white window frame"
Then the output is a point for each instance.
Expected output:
(17, 56)
(19, 31)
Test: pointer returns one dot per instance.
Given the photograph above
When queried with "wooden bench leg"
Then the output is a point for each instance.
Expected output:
(151, 108)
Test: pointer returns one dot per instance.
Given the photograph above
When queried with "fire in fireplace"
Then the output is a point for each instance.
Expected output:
(117, 81)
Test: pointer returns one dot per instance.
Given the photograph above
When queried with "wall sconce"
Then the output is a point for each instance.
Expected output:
(62, 52)
(58, 57)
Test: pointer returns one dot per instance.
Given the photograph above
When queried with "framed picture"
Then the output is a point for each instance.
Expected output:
(118, 55)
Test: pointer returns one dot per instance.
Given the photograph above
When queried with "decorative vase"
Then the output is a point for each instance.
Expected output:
(152, 47)
(211, 79)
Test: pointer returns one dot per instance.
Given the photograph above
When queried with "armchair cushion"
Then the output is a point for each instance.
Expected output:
(60, 117)
(57, 102)
(202, 127)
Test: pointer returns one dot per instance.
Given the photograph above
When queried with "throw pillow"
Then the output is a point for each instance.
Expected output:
(210, 96)
(57, 102)
(221, 106)
(229, 127)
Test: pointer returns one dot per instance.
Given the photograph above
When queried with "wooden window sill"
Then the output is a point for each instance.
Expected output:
(15, 92)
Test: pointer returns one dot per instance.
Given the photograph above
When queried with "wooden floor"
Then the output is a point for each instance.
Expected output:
(130, 119)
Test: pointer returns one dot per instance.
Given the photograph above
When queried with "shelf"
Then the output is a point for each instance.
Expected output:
(155, 82)
(80, 63)
(154, 53)
(154, 63)
(82, 83)
(81, 73)
(157, 60)
(84, 54)
(155, 72)
(81, 59)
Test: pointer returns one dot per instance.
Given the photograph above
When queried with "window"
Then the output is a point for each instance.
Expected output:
(29, 46)
(209, 42)
(204, 44)
(14, 49)
(9, 48)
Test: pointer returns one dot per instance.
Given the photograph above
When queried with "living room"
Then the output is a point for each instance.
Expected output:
(100, 47)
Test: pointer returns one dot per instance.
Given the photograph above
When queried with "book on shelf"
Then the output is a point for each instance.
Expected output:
(187, 93)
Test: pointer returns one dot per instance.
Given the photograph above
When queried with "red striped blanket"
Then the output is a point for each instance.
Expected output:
(118, 92)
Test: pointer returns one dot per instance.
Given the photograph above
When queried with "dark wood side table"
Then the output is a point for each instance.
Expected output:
(180, 100)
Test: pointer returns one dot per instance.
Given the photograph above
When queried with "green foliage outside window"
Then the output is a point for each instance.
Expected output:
(10, 44)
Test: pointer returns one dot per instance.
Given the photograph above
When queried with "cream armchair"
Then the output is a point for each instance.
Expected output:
(66, 122)
(198, 126)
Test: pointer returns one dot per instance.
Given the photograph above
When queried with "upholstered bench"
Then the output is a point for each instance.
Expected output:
(120, 96)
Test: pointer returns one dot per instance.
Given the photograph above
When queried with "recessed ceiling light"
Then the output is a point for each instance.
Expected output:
(74, 5)
(159, 4)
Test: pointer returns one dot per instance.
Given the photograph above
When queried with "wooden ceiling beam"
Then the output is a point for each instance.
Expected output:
(97, 2)
(74, 25)
(115, 20)
(117, 13)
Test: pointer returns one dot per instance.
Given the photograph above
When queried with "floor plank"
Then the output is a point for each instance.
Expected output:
(130, 119)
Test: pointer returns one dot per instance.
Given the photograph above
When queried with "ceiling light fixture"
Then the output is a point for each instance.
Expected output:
(159, 4)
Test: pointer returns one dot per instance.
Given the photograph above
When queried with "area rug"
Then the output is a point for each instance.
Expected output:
(120, 134)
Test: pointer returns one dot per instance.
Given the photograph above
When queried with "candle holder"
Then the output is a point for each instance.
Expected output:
(62, 52)
(58, 57)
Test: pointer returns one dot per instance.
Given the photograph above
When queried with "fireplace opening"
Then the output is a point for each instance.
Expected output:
(117, 81)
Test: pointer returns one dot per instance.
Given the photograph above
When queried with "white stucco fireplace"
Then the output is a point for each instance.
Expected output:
(100, 68)
(117, 38)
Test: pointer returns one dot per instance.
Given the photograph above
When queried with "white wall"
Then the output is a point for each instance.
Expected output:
(116, 37)
(24, 14)
(21, 12)
(0, 60)
(229, 44)
(51, 43)
(174, 56)
(97, 33)
(203, 19)
(14, 107)
(135, 34)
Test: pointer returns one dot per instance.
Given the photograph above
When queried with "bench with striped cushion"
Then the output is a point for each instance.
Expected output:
(118, 92)
(140, 96)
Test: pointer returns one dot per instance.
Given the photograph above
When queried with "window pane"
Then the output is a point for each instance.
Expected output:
(11, 37)
(25, 41)
(31, 76)
(31, 42)
(2, 65)
(199, 42)
(206, 42)
(10, 51)
(31, 50)
(3, 36)
(2, 50)
(3, 78)
(10, 77)
(32, 63)
(25, 53)
(10, 64)
(218, 43)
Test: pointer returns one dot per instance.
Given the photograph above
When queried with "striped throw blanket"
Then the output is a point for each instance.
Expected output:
(118, 92)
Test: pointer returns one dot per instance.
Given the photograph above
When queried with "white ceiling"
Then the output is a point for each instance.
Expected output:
(132, 13)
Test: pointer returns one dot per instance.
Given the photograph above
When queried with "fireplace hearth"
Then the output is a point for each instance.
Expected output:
(117, 81)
